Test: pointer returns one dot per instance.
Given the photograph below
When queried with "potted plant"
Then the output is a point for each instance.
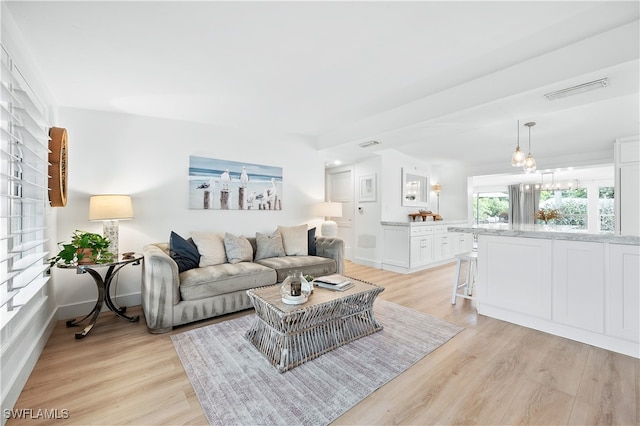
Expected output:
(85, 247)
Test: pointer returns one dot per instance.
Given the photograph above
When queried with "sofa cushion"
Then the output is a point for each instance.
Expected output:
(184, 252)
(211, 248)
(315, 266)
(200, 283)
(238, 249)
(294, 240)
(268, 245)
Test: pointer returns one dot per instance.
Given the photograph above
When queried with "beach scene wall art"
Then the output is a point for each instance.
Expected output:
(216, 184)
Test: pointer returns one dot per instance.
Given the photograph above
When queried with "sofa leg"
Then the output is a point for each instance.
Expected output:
(159, 330)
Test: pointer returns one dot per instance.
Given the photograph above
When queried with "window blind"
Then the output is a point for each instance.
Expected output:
(24, 153)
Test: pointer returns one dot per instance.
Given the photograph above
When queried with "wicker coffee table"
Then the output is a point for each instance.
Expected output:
(289, 335)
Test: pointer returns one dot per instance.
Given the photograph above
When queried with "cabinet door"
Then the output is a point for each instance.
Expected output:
(629, 199)
(624, 292)
(421, 250)
(578, 284)
(416, 255)
(462, 243)
(447, 242)
(515, 274)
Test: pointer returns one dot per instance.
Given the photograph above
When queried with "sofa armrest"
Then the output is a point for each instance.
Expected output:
(160, 288)
(332, 248)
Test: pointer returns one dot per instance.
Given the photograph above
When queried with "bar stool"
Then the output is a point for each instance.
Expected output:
(471, 259)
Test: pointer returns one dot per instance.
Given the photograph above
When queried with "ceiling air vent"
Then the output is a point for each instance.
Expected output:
(581, 88)
(367, 144)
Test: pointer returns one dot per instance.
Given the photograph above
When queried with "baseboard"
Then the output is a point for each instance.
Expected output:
(368, 262)
(82, 308)
(405, 270)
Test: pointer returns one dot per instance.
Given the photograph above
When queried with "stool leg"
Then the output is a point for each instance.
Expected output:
(455, 283)
(467, 284)
(474, 273)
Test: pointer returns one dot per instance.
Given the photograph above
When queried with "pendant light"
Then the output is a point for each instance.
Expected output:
(529, 162)
(517, 159)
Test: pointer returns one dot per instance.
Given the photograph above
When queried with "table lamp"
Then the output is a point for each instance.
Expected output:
(110, 208)
(329, 209)
(436, 188)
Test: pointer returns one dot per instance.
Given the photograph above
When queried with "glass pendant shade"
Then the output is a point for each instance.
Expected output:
(517, 159)
(529, 164)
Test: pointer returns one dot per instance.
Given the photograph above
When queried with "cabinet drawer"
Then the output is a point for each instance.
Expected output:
(421, 230)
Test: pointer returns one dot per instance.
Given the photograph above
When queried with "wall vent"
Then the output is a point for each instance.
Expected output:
(581, 88)
(367, 144)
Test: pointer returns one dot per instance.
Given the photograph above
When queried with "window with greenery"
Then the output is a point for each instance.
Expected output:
(490, 207)
(606, 212)
(572, 205)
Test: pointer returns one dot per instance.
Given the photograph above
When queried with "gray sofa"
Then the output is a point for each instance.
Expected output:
(170, 298)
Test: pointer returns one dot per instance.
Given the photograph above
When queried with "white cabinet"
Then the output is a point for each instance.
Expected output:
(579, 284)
(420, 246)
(421, 250)
(462, 242)
(627, 158)
(396, 251)
(515, 273)
(587, 291)
(624, 292)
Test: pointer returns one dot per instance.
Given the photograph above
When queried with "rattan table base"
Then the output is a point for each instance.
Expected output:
(289, 335)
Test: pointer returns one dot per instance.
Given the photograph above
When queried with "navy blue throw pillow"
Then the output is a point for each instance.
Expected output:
(311, 241)
(184, 252)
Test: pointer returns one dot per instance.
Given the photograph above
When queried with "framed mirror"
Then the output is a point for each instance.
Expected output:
(415, 188)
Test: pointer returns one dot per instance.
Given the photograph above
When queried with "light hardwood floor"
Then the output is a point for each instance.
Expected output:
(491, 373)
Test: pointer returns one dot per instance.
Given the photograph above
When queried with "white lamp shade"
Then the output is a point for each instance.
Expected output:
(330, 209)
(110, 207)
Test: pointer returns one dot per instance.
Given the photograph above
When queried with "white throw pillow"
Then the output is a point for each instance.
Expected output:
(294, 240)
(211, 248)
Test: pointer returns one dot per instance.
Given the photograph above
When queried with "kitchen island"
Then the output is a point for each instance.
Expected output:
(581, 286)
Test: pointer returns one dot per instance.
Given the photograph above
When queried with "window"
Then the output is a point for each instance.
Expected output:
(572, 205)
(606, 208)
(23, 191)
(490, 207)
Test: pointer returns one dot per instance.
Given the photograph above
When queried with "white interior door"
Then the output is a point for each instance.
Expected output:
(340, 189)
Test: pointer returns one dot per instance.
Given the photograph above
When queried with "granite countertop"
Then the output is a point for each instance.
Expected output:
(547, 232)
(426, 223)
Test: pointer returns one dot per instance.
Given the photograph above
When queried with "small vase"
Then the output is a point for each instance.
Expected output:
(294, 289)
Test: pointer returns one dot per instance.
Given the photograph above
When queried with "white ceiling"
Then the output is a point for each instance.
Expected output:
(439, 81)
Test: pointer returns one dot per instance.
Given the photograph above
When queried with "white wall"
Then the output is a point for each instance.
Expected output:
(454, 202)
(366, 217)
(453, 196)
(387, 166)
(148, 158)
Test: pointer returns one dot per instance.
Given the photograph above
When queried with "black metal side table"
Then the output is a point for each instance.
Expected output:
(103, 284)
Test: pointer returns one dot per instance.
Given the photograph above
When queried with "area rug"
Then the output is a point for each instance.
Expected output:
(236, 385)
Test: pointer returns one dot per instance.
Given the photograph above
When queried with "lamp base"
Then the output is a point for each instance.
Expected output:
(329, 229)
(110, 231)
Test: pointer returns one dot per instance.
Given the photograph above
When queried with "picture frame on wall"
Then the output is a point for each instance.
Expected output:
(217, 184)
(367, 188)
